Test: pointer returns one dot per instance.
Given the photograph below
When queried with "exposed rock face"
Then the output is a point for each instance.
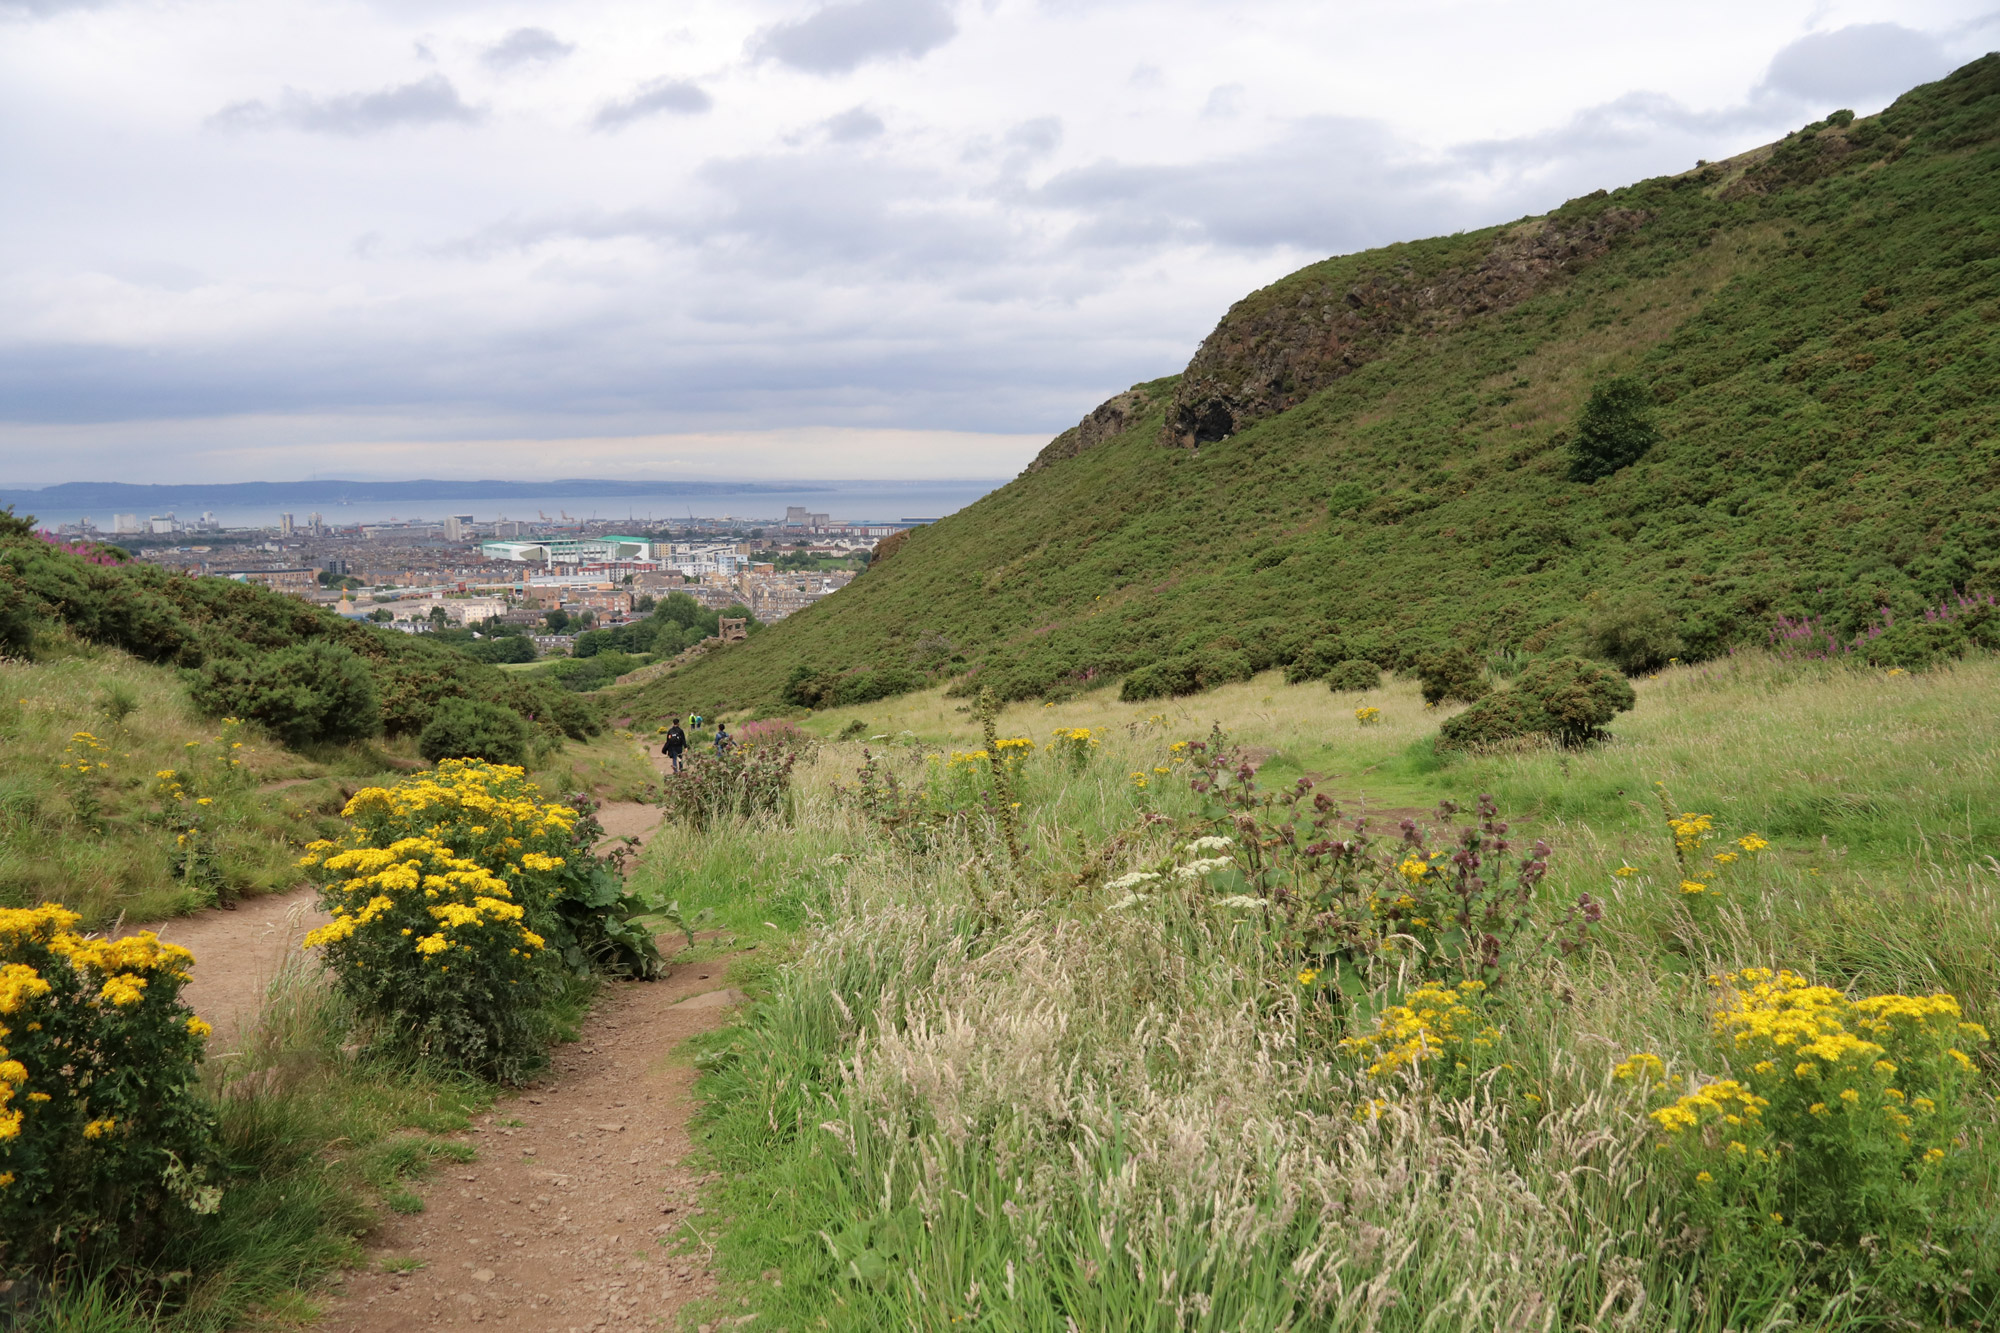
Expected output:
(1278, 347)
(1107, 419)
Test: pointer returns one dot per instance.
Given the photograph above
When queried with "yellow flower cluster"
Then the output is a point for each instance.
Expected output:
(1366, 715)
(113, 974)
(462, 801)
(1690, 831)
(1432, 1022)
(1725, 1100)
(1084, 736)
(384, 886)
(1802, 1053)
(85, 754)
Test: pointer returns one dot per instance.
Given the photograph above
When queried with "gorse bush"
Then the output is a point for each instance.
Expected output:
(1615, 429)
(1636, 632)
(474, 729)
(1451, 674)
(1352, 676)
(309, 694)
(1565, 700)
(103, 1135)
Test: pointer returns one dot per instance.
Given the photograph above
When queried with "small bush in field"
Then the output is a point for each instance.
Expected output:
(434, 946)
(103, 1135)
(1636, 633)
(474, 729)
(747, 781)
(1451, 674)
(307, 694)
(1565, 699)
(545, 850)
(1353, 675)
(1838, 1131)
(1187, 673)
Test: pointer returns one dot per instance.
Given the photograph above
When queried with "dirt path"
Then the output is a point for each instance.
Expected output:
(558, 1226)
(236, 954)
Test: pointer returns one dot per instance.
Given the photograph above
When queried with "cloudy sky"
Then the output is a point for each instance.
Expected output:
(779, 238)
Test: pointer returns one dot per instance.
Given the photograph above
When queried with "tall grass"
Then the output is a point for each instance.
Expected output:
(971, 1097)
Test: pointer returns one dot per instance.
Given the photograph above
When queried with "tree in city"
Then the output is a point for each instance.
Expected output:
(557, 620)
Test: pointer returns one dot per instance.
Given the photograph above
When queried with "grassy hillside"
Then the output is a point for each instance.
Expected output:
(86, 733)
(1812, 322)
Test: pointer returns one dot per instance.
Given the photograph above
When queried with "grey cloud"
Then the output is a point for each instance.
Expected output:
(431, 100)
(1856, 63)
(675, 96)
(526, 46)
(1036, 137)
(853, 125)
(38, 9)
(838, 38)
(1224, 101)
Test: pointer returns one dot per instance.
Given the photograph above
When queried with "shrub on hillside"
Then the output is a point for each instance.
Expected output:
(1635, 632)
(103, 1134)
(1566, 699)
(474, 729)
(1614, 430)
(1451, 674)
(746, 782)
(311, 693)
(811, 688)
(1186, 673)
(1315, 660)
(1353, 675)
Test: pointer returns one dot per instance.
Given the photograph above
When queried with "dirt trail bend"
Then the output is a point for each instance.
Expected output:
(556, 1228)
(236, 954)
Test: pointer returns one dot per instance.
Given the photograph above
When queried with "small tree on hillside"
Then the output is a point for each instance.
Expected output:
(1615, 429)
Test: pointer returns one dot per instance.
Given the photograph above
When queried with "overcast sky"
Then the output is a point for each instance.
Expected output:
(779, 238)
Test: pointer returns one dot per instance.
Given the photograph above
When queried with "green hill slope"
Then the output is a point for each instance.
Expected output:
(1373, 452)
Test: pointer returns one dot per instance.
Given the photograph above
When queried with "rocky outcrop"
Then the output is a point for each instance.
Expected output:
(1109, 418)
(1278, 347)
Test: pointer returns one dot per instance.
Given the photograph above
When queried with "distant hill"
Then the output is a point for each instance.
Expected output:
(1372, 456)
(71, 495)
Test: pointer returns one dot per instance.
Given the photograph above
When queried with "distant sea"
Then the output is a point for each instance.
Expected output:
(881, 501)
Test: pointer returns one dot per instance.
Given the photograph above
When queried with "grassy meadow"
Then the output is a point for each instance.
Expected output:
(1049, 1096)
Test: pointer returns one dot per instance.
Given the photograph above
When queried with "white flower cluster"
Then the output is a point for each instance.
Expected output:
(1239, 900)
(1133, 880)
(1214, 842)
(1196, 869)
(1129, 900)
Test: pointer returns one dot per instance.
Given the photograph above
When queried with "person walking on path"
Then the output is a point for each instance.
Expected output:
(724, 742)
(676, 746)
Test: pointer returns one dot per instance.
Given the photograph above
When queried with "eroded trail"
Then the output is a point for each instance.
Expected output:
(558, 1224)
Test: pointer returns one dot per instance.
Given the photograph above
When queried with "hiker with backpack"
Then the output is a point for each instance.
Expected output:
(724, 742)
(676, 746)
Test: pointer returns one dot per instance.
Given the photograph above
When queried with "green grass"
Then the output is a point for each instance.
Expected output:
(962, 1098)
(1824, 386)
